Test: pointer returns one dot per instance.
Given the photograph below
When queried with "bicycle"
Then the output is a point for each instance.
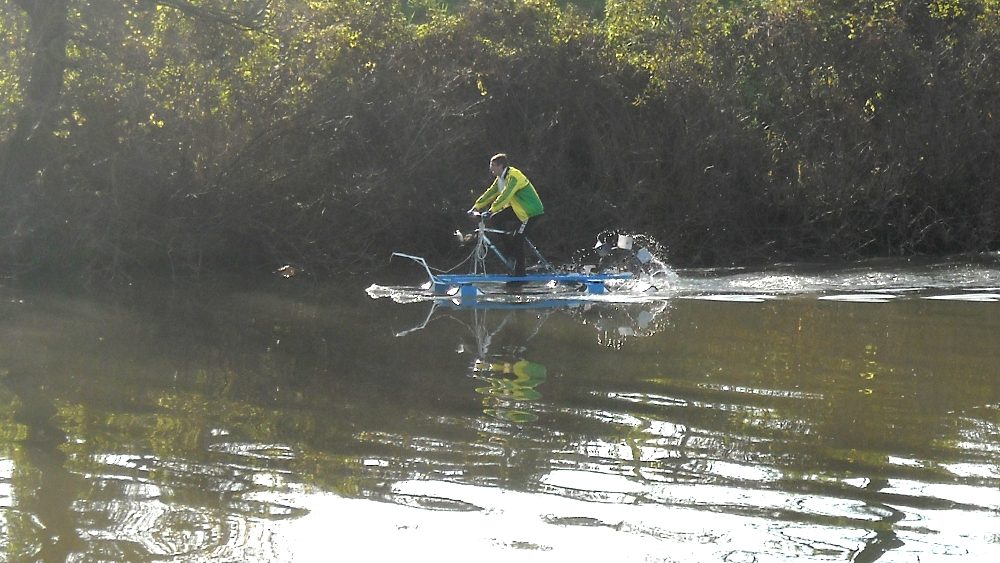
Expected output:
(467, 286)
(484, 246)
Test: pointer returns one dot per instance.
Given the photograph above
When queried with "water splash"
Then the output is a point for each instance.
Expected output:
(620, 251)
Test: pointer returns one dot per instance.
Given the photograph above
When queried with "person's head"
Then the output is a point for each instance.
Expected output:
(498, 163)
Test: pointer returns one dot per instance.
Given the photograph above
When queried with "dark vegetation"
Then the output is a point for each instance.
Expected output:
(180, 136)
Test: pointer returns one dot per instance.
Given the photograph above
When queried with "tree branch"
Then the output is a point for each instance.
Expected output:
(249, 18)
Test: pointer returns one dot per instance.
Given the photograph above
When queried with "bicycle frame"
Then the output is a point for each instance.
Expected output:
(484, 246)
(467, 285)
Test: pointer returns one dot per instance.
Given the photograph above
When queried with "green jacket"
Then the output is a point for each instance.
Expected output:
(517, 193)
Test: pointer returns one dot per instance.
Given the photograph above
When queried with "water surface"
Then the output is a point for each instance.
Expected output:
(828, 415)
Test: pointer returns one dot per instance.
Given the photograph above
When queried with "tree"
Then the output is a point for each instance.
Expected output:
(88, 83)
(25, 149)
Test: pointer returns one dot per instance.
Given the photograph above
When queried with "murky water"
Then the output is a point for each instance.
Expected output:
(716, 416)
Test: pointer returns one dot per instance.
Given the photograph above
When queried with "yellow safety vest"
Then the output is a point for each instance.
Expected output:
(517, 193)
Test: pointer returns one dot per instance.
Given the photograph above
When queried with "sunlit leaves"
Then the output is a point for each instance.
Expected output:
(670, 39)
(947, 9)
(12, 37)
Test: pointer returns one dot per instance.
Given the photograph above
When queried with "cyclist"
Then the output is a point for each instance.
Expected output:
(511, 188)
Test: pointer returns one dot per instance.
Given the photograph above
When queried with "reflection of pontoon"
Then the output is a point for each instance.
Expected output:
(614, 322)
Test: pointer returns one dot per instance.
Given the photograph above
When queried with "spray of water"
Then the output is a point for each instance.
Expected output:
(620, 251)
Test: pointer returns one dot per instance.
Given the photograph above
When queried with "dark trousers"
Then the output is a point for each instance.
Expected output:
(513, 242)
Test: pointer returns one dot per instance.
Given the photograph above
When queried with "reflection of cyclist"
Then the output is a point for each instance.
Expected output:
(511, 189)
(503, 391)
(512, 380)
(527, 376)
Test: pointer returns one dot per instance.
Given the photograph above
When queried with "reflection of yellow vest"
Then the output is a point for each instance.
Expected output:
(528, 375)
(517, 193)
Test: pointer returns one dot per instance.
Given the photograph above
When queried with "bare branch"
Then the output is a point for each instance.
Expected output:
(249, 18)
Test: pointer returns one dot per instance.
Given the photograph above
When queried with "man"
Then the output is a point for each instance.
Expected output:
(511, 189)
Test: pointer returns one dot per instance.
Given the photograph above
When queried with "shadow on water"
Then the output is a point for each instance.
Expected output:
(235, 424)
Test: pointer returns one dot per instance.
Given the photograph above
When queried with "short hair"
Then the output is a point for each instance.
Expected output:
(500, 158)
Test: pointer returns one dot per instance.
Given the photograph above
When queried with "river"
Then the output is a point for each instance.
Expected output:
(848, 414)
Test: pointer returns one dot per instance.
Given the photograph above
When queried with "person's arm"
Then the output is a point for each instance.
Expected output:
(487, 197)
(514, 183)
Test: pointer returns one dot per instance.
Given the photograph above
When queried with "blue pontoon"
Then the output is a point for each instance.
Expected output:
(471, 285)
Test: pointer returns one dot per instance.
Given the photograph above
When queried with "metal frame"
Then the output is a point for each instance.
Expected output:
(484, 245)
(466, 284)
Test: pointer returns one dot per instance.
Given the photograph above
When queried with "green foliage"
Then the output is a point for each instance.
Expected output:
(187, 134)
(12, 32)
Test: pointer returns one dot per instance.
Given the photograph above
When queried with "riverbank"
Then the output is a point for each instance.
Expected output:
(327, 135)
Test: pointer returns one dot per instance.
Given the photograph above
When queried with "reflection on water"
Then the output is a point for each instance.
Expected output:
(500, 362)
(291, 423)
(501, 335)
(510, 382)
